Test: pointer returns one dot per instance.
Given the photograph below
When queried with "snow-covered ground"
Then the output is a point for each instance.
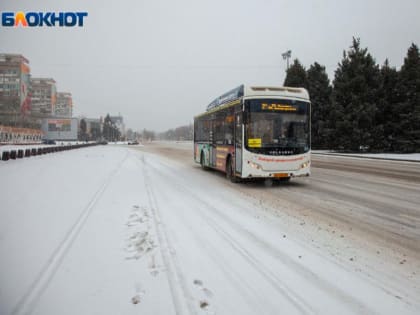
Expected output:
(115, 230)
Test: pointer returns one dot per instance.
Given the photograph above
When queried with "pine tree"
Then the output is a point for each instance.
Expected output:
(356, 90)
(83, 130)
(408, 133)
(107, 128)
(387, 119)
(320, 91)
(296, 75)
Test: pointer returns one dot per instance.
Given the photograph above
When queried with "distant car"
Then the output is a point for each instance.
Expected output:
(48, 141)
(135, 142)
(103, 142)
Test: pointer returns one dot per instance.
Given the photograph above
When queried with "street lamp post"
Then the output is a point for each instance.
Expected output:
(286, 56)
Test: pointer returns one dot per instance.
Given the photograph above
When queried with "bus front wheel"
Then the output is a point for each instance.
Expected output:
(230, 172)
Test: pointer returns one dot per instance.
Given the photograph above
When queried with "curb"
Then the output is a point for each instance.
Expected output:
(364, 157)
(23, 153)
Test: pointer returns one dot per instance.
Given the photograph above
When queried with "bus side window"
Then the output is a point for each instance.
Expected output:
(228, 138)
(229, 124)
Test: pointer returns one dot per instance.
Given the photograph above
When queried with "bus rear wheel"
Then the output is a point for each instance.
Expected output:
(202, 161)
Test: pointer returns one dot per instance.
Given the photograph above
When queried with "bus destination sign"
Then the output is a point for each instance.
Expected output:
(278, 107)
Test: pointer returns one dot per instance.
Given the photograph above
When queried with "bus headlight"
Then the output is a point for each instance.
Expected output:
(254, 165)
(306, 164)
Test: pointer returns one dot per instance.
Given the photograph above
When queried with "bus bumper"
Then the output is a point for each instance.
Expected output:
(276, 167)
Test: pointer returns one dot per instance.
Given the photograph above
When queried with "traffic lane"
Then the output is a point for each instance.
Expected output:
(408, 171)
(381, 197)
(384, 214)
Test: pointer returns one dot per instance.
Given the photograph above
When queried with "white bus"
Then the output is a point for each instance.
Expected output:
(256, 132)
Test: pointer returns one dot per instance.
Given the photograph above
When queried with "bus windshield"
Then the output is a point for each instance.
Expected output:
(277, 124)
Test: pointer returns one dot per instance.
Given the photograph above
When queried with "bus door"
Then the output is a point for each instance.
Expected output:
(238, 139)
(212, 147)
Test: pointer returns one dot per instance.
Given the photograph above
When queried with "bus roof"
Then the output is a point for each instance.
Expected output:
(284, 91)
(250, 91)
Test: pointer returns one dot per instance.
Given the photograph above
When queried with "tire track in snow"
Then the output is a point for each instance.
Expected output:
(354, 305)
(254, 299)
(26, 304)
(177, 284)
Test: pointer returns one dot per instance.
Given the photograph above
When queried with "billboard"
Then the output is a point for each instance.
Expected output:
(59, 125)
(60, 129)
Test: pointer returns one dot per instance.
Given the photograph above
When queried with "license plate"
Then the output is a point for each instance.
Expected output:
(282, 175)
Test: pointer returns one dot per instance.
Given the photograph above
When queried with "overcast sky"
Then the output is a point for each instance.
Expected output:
(160, 62)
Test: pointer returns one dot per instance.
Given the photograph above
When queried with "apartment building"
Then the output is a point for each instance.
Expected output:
(15, 98)
(44, 96)
(64, 105)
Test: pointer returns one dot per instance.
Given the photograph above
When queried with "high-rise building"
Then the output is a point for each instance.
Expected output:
(44, 96)
(15, 98)
(64, 106)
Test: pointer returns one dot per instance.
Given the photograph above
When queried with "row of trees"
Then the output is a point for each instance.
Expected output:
(367, 107)
(179, 134)
(110, 131)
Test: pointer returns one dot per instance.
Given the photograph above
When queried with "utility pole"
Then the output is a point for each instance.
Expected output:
(286, 56)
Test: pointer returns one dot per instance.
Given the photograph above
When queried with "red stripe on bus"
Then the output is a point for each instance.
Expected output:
(278, 160)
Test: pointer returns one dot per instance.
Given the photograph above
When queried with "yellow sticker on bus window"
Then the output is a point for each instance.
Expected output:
(254, 143)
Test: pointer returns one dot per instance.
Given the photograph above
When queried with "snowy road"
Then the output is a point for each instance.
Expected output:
(118, 230)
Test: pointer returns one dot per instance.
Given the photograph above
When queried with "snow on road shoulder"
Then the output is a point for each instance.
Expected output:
(76, 247)
(114, 267)
(42, 201)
